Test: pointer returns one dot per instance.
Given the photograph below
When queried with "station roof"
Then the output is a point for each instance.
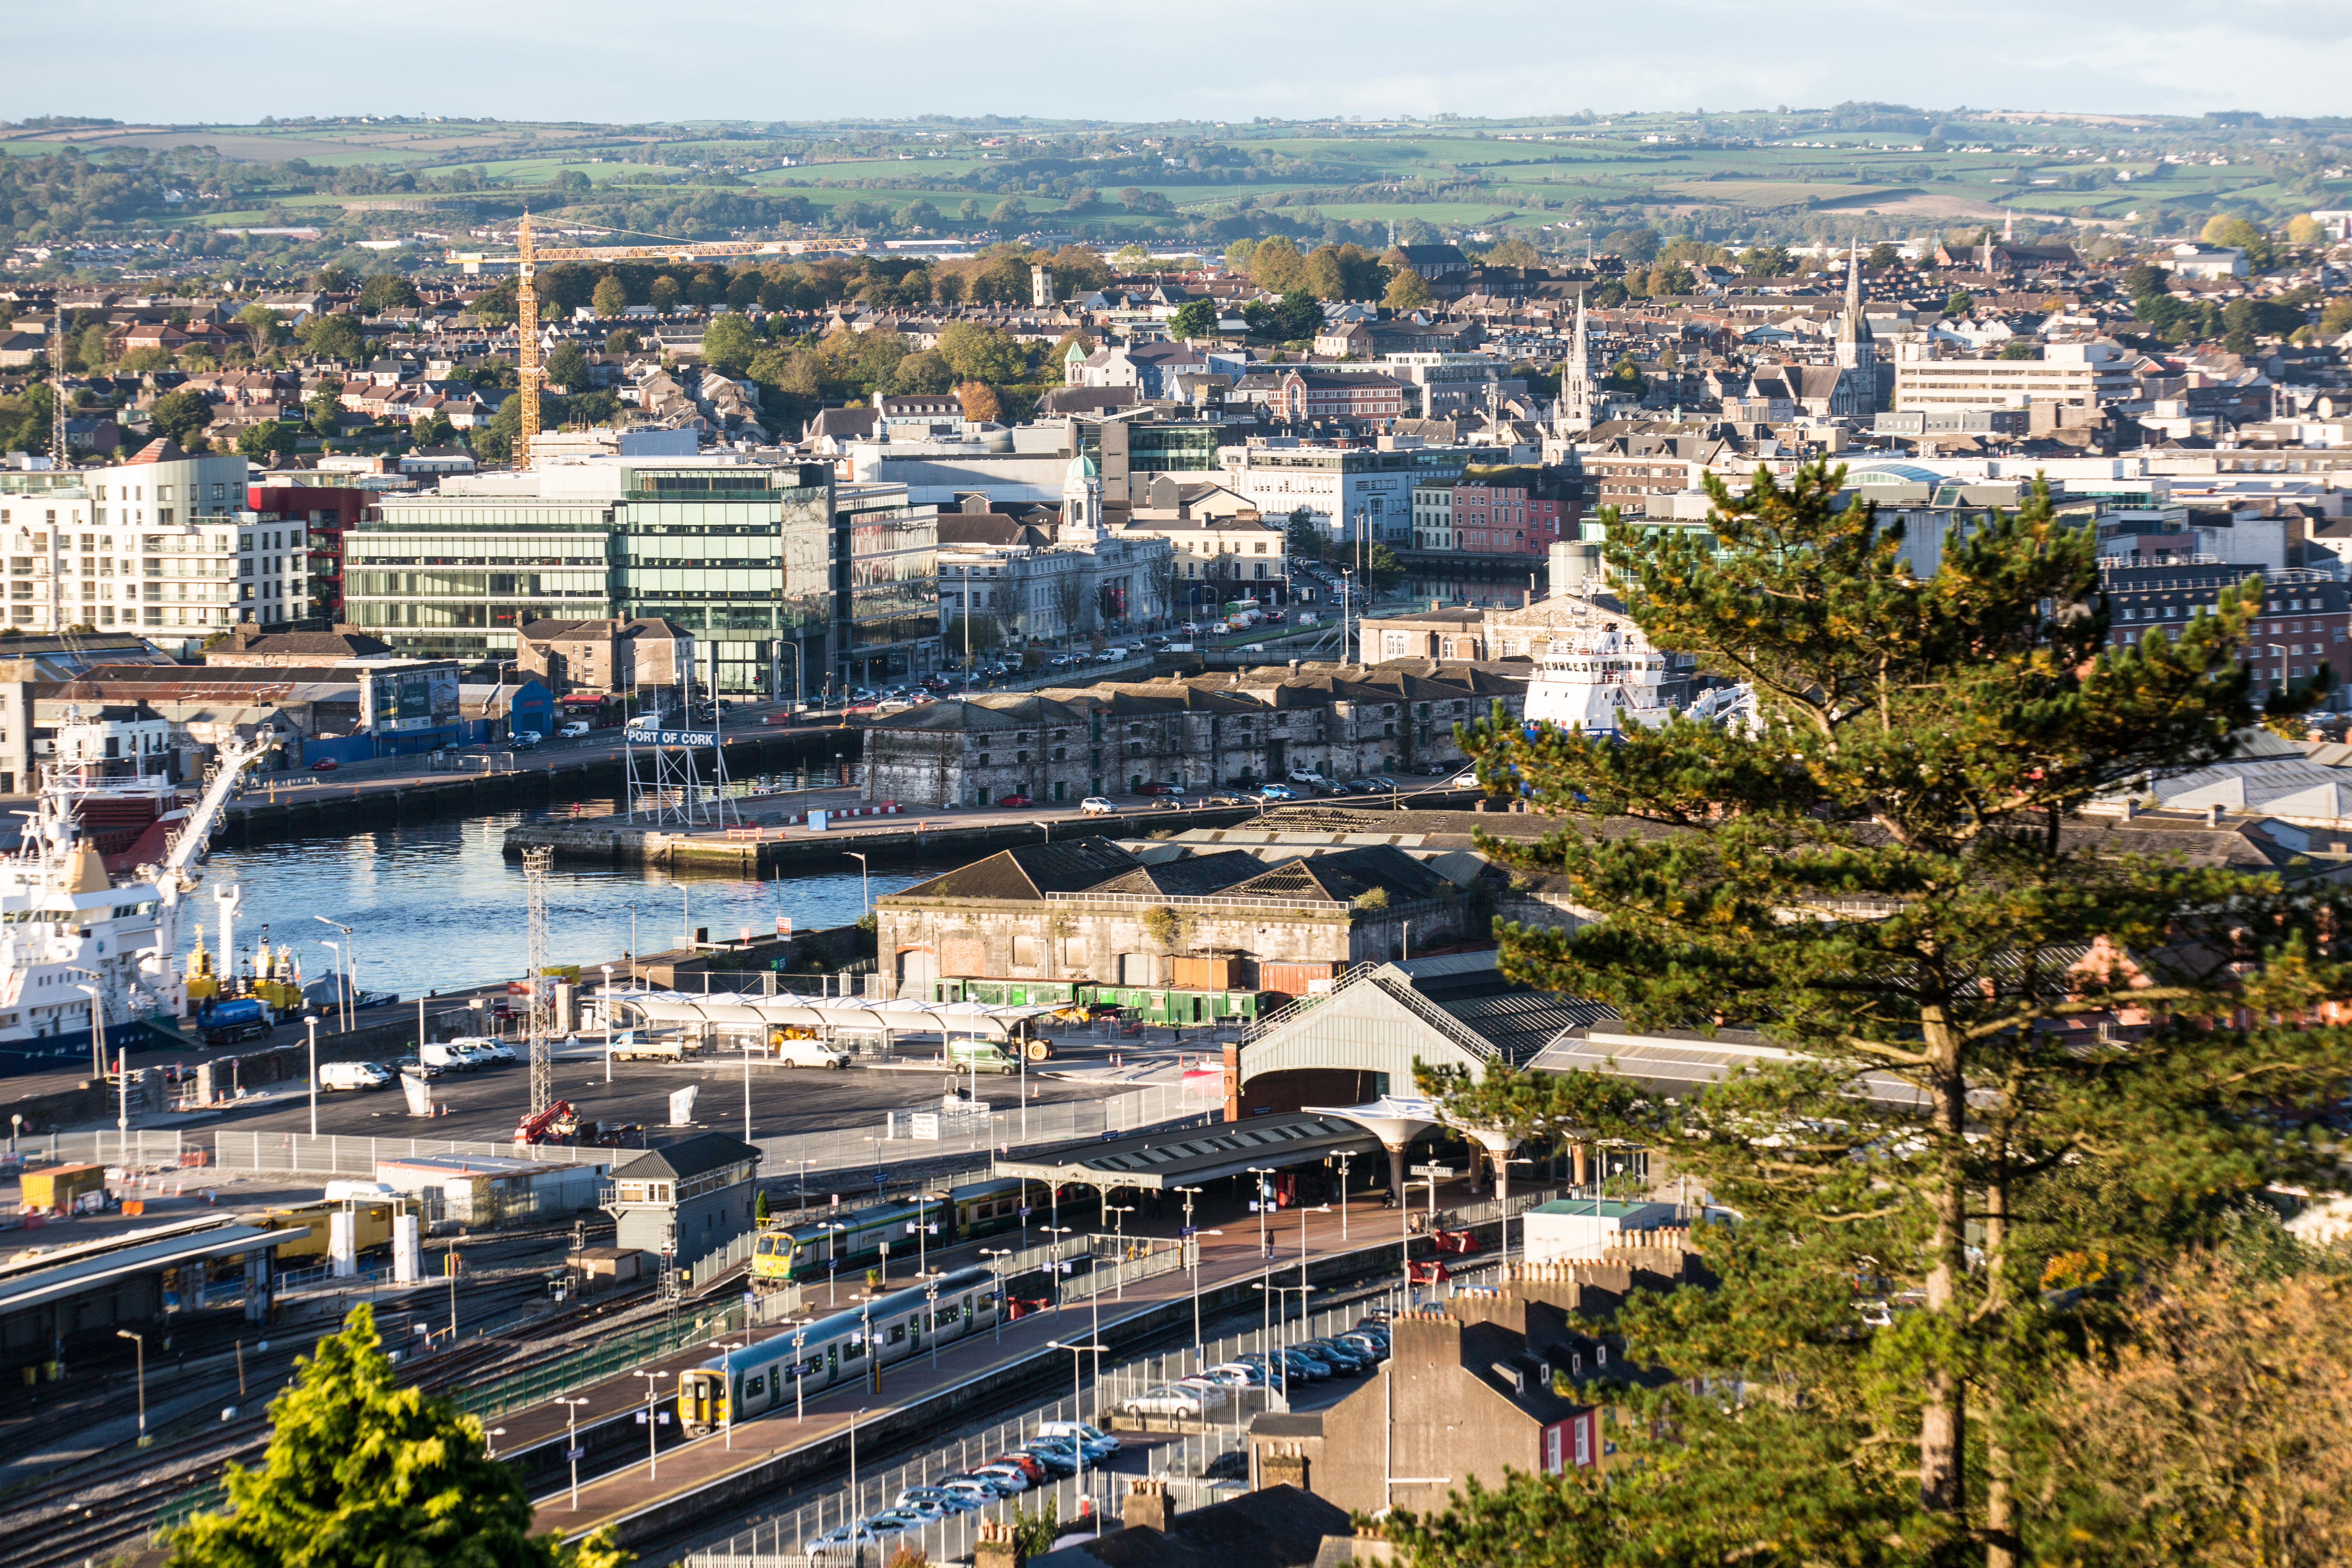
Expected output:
(739, 1011)
(1183, 1156)
(73, 1279)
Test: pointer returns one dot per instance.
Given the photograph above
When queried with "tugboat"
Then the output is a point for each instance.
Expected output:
(1600, 676)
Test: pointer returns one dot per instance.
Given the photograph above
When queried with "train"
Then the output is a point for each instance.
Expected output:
(833, 1350)
(808, 1251)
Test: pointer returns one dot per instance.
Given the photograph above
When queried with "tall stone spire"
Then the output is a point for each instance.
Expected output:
(1855, 349)
(1574, 410)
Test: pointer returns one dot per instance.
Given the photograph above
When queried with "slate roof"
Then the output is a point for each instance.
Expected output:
(1029, 871)
(687, 1157)
(1274, 1527)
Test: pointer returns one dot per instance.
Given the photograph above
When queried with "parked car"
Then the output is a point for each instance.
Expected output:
(1098, 1443)
(351, 1076)
(1059, 1459)
(1169, 1399)
(939, 1499)
(325, 765)
(409, 1067)
(1277, 792)
(575, 729)
(1014, 1476)
(983, 1488)
(1467, 779)
(840, 1540)
(1014, 800)
(1347, 1358)
(526, 739)
(1370, 786)
(1247, 1375)
(1098, 805)
(1363, 1345)
(1150, 788)
(494, 1053)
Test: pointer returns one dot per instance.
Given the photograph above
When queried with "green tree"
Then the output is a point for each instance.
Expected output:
(1633, 244)
(494, 440)
(1883, 256)
(332, 335)
(2145, 281)
(1306, 541)
(1882, 878)
(182, 415)
(388, 291)
(663, 294)
(1408, 291)
(266, 438)
(620, 341)
(924, 371)
(1383, 567)
(1194, 319)
(977, 351)
(332, 278)
(1767, 261)
(1673, 278)
(729, 343)
(1238, 254)
(2336, 317)
(1012, 213)
(567, 367)
(362, 1473)
(1514, 252)
(263, 326)
(1958, 303)
(981, 404)
(1625, 376)
(2020, 348)
(760, 1209)
(612, 297)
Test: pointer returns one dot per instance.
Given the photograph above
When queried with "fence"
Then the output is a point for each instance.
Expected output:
(1198, 1465)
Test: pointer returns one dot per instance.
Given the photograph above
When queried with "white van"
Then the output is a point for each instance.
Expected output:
(448, 1056)
(351, 1076)
(485, 1052)
(809, 1054)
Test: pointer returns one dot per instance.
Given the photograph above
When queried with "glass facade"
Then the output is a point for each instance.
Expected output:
(779, 580)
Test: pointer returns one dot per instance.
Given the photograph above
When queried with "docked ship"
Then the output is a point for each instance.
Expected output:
(1600, 675)
(90, 905)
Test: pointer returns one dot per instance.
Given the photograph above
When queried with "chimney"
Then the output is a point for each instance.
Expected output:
(998, 1547)
(2213, 815)
(1147, 1506)
(1282, 1465)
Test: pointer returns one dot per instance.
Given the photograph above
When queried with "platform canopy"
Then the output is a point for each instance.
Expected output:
(731, 1010)
(1188, 1156)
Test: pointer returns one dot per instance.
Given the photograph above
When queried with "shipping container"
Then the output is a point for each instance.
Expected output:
(1207, 974)
(1297, 979)
(58, 1188)
(372, 1228)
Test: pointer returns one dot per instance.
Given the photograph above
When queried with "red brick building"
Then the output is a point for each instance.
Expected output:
(1509, 512)
(1322, 395)
(327, 512)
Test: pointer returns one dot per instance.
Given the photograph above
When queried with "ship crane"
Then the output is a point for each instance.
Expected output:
(528, 255)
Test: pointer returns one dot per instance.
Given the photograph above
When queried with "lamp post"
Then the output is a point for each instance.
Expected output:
(490, 1449)
(1283, 1352)
(653, 1456)
(311, 1023)
(1118, 1229)
(350, 960)
(1258, 1201)
(993, 1254)
(1077, 1397)
(1343, 1197)
(342, 1006)
(141, 1341)
(727, 1385)
(832, 1259)
(864, 881)
(931, 1319)
(572, 1444)
(1192, 1240)
(608, 1021)
(97, 1021)
(800, 1374)
(1058, 1232)
(856, 1546)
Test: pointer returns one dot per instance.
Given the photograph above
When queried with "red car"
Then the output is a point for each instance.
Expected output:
(1160, 789)
(325, 765)
(1016, 800)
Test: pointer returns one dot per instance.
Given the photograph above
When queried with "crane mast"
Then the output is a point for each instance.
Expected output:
(527, 348)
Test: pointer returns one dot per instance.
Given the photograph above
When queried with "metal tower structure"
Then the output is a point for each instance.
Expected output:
(536, 863)
(57, 388)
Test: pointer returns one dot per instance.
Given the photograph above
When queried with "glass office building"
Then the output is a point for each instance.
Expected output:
(787, 584)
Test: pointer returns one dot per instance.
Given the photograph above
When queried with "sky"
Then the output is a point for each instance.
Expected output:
(606, 60)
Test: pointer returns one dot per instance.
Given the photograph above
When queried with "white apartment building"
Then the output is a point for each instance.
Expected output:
(1348, 491)
(2065, 374)
(164, 543)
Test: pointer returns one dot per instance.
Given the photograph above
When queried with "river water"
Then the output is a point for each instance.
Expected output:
(435, 905)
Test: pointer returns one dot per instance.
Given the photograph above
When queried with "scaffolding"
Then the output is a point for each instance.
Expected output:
(536, 863)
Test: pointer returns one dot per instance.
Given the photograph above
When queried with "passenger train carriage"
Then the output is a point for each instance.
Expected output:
(837, 1349)
(971, 1211)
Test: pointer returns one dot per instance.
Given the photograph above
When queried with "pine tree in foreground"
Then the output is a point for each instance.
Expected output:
(361, 1473)
(1886, 878)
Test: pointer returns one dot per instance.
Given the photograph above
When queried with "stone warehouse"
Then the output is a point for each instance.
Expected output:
(1121, 914)
(1225, 730)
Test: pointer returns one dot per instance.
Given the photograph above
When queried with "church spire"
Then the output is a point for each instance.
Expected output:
(1574, 410)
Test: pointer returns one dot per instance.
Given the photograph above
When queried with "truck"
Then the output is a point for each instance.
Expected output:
(242, 1019)
(630, 1047)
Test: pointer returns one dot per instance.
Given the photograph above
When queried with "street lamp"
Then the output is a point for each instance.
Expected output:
(1264, 1247)
(800, 1374)
(141, 1341)
(608, 1021)
(572, 1444)
(490, 1449)
(348, 986)
(931, 1319)
(1058, 1232)
(865, 882)
(1191, 1238)
(97, 1019)
(1343, 1197)
(832, 1257)
(1077, 1397)
(991, 1254)
(856, 1505)
(311, 1023)
(1118, 1227)
(342, 1006)
(727, 1385)
(653, 1458)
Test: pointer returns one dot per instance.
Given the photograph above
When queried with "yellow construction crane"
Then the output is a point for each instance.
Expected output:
(527, 256)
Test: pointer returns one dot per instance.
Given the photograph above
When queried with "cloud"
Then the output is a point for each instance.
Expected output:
(602, 60)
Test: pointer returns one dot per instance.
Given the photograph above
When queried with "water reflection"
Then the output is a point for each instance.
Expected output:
(435, 905)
